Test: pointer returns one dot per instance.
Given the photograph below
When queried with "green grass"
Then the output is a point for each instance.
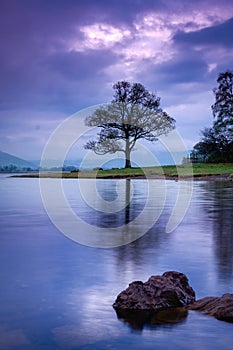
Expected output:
(169, 170)
(213, 169)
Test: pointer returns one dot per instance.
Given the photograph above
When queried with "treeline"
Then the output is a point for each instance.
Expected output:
(11, 168)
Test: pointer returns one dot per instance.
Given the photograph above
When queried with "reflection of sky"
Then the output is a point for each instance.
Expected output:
(90, 313)
(11, 338)
(59, 294)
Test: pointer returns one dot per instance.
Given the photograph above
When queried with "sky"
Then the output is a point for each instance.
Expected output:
(61, 56)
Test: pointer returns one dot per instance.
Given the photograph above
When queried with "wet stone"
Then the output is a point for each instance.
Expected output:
(170, 290)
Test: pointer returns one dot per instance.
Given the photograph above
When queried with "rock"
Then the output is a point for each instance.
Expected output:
(171, 290)
(167, 299)
(219, 307)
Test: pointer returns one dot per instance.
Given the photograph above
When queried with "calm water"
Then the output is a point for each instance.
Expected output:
(57, 294)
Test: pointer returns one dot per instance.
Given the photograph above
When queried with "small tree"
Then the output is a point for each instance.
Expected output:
(133, 114)
(216, 144)
(213, 148)
(223, 106)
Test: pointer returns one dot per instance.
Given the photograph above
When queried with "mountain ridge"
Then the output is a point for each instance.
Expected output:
(7, 159)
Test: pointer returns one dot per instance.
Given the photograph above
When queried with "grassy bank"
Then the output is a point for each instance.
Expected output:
(196, 170)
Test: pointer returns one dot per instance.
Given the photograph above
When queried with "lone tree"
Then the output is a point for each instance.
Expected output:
(133, 114)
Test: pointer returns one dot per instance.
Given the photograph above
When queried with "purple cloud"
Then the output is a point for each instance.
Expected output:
(60, 56)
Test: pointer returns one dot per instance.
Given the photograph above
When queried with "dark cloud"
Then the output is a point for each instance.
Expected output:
(59, 16)
(185, 69)
(219, 35)
(37, 67)
(31, 30)
(41, 72)
(78, 65)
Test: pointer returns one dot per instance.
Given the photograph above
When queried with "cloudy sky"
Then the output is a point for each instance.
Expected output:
(60, 56)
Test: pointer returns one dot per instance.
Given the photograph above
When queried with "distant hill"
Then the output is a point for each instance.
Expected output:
(10, 162)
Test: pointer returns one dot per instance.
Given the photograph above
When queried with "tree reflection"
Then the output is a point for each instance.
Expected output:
(127, 201)
(221, 212)
(147, 249)
(124, 208)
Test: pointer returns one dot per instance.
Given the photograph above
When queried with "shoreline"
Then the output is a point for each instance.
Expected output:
(200, 171)
(196, 177)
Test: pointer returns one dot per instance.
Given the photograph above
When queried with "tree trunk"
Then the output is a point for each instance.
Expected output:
(127, 154)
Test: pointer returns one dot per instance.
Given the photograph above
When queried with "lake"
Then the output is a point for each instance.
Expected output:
(57, 294)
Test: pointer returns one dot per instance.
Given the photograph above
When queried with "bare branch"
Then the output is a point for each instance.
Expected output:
(133, 114)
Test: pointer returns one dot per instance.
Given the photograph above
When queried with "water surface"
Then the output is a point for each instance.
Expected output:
(57, 294)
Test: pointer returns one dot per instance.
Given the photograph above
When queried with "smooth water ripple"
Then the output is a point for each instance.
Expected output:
(57, 294)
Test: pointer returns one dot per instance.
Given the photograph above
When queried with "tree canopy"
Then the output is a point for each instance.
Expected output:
(223, 106)
(133, 114)
(216, 144)
(213, 147)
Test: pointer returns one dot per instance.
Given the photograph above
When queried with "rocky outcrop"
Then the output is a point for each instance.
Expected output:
(171, 290)
(219, 307)
(167, 299)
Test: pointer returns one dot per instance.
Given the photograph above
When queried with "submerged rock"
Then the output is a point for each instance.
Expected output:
(219, 307)
(171, 290)
(167, 299)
